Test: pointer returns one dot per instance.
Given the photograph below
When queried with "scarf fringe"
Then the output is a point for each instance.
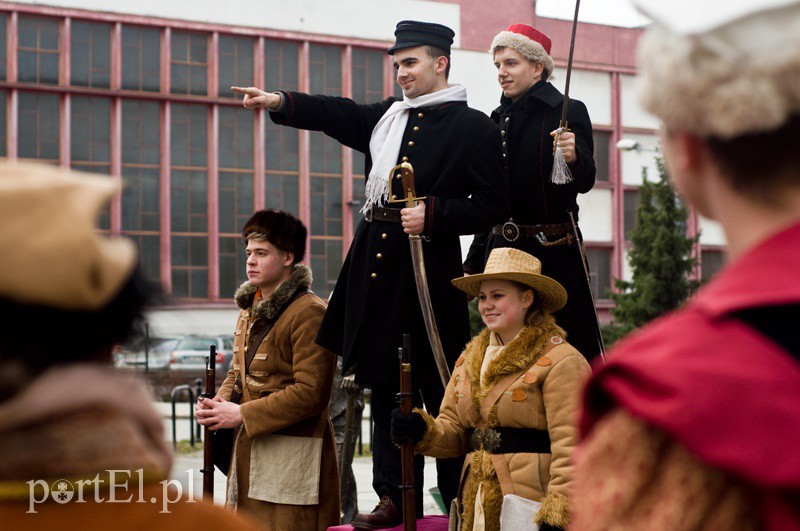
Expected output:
(387, 136)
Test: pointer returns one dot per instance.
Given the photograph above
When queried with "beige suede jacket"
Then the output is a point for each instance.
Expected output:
(545, 374)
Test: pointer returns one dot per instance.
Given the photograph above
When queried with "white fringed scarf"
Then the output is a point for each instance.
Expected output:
(384, 145)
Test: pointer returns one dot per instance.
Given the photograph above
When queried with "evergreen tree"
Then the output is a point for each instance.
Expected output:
(661, 259)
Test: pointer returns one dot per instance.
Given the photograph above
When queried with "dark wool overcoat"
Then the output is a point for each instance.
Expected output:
(457, 159)
(528, 147)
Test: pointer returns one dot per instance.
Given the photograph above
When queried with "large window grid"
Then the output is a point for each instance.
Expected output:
(141, 217)
(38, 50)
(189, 63)
(326, 173)
(602, 152)
(40, 118)
(141, 58)
(189, 200)
(235, 64)
(3, 123)
(236, 193)
(712, 259)
(38, 126)
(90, 54)
(282, 144)
(167, 203)
(367, 87)
(3, 50)
(599, 263)
(90, 149)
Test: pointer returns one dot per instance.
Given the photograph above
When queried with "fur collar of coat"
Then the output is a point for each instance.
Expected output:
(517, 356)
(270, 307)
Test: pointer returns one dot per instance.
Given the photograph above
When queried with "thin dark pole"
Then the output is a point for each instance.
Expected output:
(569, 61)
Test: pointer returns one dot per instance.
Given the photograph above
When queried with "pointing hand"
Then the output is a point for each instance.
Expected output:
(255, 98)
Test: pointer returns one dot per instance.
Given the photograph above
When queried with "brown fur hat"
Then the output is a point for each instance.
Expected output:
(279, 228)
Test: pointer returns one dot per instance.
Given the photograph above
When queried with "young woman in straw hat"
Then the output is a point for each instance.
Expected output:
(510, 403)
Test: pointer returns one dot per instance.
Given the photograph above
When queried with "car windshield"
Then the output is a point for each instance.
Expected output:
(196, 343)
(165, 346)
(228, 343)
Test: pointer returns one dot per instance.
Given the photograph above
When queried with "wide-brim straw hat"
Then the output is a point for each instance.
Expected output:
(507, 263)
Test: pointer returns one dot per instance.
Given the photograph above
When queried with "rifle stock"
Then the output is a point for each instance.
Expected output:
(407, 450)
(208, 436)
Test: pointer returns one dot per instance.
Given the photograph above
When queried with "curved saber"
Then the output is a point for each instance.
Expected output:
(421, 281)
(427, 308)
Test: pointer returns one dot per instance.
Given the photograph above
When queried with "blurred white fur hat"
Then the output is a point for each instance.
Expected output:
(721, 68)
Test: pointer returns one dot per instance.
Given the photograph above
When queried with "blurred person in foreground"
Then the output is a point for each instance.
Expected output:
(511, 403)
(694, 423)
(82, 447)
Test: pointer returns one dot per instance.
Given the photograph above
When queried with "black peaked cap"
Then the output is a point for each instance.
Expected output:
(411, 33)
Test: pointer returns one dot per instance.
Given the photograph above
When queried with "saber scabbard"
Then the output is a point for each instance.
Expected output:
(420, 279)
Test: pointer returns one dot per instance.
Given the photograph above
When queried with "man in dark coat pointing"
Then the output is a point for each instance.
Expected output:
(457, 158)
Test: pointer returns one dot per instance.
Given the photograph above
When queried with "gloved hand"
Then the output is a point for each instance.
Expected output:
(410, 428)
(547, 527)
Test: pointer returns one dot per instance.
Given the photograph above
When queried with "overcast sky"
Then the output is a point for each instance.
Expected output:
(610, 12)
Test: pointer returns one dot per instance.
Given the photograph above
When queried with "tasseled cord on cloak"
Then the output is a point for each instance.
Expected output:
(561, 173)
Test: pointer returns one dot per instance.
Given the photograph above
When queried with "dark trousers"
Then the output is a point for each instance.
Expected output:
(386, 467)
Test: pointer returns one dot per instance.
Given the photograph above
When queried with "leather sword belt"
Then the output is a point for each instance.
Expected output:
(511, 231)
(508, 440)
(378, 213)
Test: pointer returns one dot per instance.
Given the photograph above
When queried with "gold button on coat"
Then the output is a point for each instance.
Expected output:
(416, 128)
(374, 275)
(410, 143)
(405, 159)
(384, 235)
(379, 256)
(420, 115)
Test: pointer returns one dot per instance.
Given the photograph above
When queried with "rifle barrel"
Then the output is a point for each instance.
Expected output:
(208, 435)
(407, 449)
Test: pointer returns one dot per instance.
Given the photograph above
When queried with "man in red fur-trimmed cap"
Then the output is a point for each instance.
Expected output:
(528, 115)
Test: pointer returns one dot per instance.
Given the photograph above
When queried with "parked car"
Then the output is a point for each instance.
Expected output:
(155, 358)
(188, 359)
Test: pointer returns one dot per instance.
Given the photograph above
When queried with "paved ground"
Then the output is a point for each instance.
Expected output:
(186, 467)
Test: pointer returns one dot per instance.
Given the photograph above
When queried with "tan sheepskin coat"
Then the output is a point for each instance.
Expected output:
(547, 375)
(286, 392)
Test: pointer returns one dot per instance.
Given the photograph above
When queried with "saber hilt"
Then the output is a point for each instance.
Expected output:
(406, 176)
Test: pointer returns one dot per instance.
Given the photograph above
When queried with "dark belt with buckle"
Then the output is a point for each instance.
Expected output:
(509, 440)
(511, 231)
(377, 213)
